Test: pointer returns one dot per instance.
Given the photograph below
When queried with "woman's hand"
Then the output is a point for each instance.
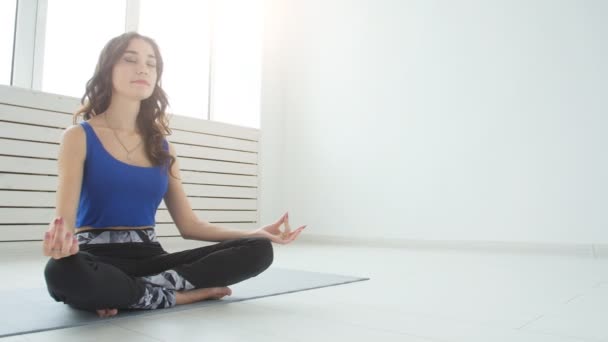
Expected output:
(274, 233)
(59, 242)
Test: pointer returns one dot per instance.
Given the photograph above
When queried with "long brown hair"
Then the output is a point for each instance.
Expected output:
(152, 120)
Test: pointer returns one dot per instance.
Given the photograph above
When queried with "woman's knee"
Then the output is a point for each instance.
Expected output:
(263, 251)
(61, 273)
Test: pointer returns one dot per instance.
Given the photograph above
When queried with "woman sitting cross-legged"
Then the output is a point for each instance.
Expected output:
(114, 169)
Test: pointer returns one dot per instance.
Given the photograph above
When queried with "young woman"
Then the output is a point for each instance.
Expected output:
(114, 169)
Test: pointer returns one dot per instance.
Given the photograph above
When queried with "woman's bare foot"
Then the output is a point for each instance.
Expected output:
(197, 295)
(107, 312)
(183, 297)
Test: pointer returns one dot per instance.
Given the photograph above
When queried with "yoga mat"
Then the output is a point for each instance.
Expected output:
(33, 310)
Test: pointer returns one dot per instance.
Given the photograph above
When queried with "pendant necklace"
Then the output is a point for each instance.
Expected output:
(117, 138)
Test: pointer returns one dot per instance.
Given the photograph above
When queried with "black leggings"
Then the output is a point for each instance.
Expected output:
(131, 270)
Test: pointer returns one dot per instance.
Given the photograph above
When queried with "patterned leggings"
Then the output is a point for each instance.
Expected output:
(129, 269)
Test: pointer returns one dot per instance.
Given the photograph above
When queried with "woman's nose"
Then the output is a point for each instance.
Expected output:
(142, 69)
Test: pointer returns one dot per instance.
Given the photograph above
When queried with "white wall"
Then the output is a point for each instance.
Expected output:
(440, 120)
(271, 204)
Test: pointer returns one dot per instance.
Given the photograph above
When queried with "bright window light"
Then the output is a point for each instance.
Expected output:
(237, 62)
(76, 32)
(181, 29)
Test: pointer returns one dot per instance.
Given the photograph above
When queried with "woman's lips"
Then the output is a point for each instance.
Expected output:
(141, 82)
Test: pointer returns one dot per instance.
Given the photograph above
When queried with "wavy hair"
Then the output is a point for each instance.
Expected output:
(152, 120)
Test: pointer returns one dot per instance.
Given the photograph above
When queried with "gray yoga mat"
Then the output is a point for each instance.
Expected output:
(32, 310)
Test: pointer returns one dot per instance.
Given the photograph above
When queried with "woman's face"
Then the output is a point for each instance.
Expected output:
(134, 74)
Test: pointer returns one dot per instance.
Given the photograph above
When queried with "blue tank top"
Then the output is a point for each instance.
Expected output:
(115, 193)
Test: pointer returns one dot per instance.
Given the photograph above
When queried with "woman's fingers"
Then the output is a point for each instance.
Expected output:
(287, 226)
(295, 234)
(281, 219)
(287, 238)
(46, 245)
(287, 235)
(49, 238)
(58, 239)
(59, 242)
(75, 246)
(58, 234)
(66, 244)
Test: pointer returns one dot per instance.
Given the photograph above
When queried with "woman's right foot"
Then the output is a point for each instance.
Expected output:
(197, 295)
(107, 312)
(184, 297)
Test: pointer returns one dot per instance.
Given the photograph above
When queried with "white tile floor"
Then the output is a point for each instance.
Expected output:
(413, 295)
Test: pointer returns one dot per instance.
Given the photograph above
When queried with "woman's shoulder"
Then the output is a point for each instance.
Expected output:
(73, 142)
(73, 132)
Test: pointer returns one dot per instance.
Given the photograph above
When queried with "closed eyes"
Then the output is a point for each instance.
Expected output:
(129, 60)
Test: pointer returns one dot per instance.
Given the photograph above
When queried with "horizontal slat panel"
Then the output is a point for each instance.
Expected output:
(36, 232)
(219, 204)
(163, 216)
(27, 132)
(220, 191)
(28, 165)
(47, 199)
(51, 150)
(218, 179)
(28, 149)
(187, 123)
(42, 215)
(217, 166)
(24, 232)
(194, 138)
(167, 229)
(194, 191)
(36, 99)
(26, 215)
(44, 166)
(27, 182)
(26, 117)
(214, 153)
(49, 183)
(27, 199)
(53, 135)
(16, 97)
(33, 116)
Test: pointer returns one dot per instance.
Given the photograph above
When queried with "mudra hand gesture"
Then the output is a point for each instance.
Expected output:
(274, 233)
(59, 242)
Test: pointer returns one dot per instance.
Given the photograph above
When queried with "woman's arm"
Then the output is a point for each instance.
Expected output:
(188, 224)
(70, 165)
(193, 228)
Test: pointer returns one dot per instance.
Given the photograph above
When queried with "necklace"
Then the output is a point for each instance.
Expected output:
(117, 138)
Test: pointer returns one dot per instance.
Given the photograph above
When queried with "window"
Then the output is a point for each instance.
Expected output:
(237, 62)
(8, 10)
(212, 49)
(73, 42)
(182, 30)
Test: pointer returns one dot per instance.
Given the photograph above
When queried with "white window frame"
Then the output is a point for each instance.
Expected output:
(28, 54)
(132, 15)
